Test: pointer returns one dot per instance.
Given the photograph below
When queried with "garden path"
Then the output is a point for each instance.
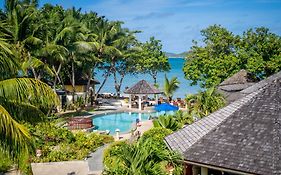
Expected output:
(95, 161)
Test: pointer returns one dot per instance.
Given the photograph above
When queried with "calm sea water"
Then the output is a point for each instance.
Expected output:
(176, 71)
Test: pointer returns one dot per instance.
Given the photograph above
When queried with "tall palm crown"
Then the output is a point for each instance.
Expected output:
(170, 86)
(21, 99)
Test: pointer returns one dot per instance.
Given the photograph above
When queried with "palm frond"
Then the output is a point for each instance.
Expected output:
(22, 111)
(8, 64)
(28, 90)
(14, 138)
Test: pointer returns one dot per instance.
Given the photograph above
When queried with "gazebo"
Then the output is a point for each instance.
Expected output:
(141, 89)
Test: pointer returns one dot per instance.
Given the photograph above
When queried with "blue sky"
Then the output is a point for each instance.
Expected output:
(177, 22)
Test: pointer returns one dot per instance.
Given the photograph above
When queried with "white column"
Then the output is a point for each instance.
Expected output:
(156, 99)
(204, 171)
(117, 134)
(130, 101)
(140, 102)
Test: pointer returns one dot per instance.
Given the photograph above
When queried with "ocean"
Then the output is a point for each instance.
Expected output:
(130, 80)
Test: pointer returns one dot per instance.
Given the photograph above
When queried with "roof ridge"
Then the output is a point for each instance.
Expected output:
(142, 87)
(206, 125)
(277, 138)
(261, 83)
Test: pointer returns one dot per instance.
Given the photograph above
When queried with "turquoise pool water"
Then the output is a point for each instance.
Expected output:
(123, 121)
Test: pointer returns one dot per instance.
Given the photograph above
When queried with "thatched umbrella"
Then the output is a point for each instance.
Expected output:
(140, 89)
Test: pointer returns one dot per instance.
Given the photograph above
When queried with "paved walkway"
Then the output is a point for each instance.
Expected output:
(95, 160)
(145, 125)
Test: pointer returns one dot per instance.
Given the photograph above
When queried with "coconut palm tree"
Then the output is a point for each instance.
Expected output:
(107, 33)
(206, 102)
(170, 86)
(21, 99)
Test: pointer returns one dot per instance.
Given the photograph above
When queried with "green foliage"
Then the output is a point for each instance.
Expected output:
(184, 118)
(5, 162)
(223, 54)
(157, 135)
(60, 144)
(151, 59)
(204, 103)
(170, 86)
(168, 122)
(147, 156)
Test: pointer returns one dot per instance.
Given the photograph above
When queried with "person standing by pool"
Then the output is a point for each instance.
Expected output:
(138, 122)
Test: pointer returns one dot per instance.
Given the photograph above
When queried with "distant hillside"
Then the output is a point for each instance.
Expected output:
(175, 55)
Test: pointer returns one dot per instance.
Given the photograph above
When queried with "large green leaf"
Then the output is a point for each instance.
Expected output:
(14, 138)
(28, 90)
(22, 111)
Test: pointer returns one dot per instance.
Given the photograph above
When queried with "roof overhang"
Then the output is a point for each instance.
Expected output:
(218, 168)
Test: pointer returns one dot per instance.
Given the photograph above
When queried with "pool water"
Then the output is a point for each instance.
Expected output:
(123, 121)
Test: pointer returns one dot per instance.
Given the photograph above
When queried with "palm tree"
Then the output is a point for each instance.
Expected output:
(204, 103)
(21, 99)
(170, 86)
(18, 17)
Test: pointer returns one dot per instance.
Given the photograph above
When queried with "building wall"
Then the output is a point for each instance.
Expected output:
(78, 88)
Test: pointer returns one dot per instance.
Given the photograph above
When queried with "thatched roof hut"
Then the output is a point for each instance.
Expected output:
(236, 83)
(142, 87)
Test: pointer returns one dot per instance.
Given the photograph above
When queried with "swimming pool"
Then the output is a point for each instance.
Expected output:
(123, 121)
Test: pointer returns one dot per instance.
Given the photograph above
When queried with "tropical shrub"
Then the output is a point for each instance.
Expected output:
(167, 121)
(157, 134)
(60, 144)
(205, 102)
(149, 155)
(183, 117)
(5, 162)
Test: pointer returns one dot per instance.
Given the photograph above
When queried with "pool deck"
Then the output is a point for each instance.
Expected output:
(145, 125)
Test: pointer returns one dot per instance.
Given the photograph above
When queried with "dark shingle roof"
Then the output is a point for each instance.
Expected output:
(142, 87)
(243, 136)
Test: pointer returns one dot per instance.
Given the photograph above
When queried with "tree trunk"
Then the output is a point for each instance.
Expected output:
(154, 76)
(102, 84)
(118, 84)
(73, 81)
(56, 75)
(106, 77)
(88, 84)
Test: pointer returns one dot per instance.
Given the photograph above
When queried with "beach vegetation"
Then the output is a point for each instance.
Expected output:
(205, 102)
(168, 122)
(149, 155)
(170, 86)
(152, 60)
(223, 54)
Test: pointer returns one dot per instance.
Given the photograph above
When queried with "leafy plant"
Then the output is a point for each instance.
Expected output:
(60, 144)
(204, 103)
(149, 155)
(168, 122)
(170, 86)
